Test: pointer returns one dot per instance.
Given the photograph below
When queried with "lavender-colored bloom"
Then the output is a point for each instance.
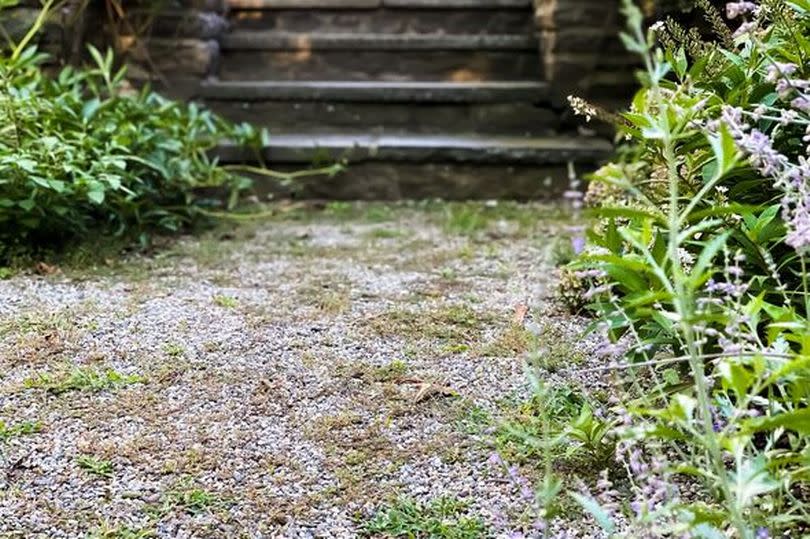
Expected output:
(801, 103)
(763, 533)
(578, 244)
(745, 28)
(735, 9)
(780, 71)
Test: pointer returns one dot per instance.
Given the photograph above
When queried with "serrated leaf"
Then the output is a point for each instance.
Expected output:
(750, 480)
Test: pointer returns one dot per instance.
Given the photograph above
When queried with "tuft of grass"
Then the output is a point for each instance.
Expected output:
(386, 233)
(95, 466)
(390, 372)
(174, 349)
(449, 274)
(334, 301)
(443, 518)
(455, 324)
(561, 423)
(192, 500)
(513, 341)
(8, 432)
(109, 531)
(465, 219)
(555, 350)
(471, 419)
(81, 379)
(51, 322)
(227, 302)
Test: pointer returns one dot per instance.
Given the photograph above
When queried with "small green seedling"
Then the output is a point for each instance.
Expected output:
(95, 466)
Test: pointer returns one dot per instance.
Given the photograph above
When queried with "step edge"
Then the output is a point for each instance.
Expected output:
(241, 40)
(376, 91)
(271, 5)
(467, 149)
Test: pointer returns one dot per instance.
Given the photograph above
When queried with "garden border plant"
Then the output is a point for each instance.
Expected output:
(696, 275)
(84, 154)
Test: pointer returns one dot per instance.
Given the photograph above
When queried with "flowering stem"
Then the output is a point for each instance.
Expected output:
(684, 306)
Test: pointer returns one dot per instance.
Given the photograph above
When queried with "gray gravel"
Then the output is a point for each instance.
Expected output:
(290, 382)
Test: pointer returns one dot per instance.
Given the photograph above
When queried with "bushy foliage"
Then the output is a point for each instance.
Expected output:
(696, 274)
(81, 151)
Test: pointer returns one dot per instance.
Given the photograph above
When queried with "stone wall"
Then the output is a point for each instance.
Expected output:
(581, 52)
(180, 46)
(61, 36)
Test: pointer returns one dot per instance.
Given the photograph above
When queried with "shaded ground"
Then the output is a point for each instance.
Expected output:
(286, 378)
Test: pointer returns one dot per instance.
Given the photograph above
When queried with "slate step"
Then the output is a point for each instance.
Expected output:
(387, 20)
(371, 4)
(377, 91)
(319, 41)
(468, 149)
(371, 65)
(285, 117)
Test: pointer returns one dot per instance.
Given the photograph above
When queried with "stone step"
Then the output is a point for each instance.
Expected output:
(285, 117)
(306, 42)
(377, 91)
(304, 148)
(371, 65)
(372, 4)
(418, 166)
(389, 21)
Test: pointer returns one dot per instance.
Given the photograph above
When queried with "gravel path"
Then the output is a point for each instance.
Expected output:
(282, 379)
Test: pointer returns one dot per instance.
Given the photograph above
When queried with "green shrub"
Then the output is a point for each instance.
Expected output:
(81, 152)
(697, 275)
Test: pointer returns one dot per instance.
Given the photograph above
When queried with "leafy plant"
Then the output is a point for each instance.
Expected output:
(696, 271)
(440, 518)
(9, 431)
(95, 466)
(83, 152)
(82, 379)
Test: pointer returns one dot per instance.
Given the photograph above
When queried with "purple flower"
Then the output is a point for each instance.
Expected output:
(578, 244)
(780, 71)
(735, 9)
(801, 103)
(745, 28)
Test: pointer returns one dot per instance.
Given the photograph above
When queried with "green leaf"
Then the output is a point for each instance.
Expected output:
(706, 257)
(96, 196)
(90, 108)
(750, 480)
(735, 376)
(725, 151)
(602, 518)
(795, 420)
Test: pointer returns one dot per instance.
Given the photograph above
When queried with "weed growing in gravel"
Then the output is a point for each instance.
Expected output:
(386, 233)
(454, 324)
(562, 421)
(513, 341)
(95, 466)
(227, 302)
(109, 531)
(472, 419)
(57, 321)
(174, 350)
(391, 371)
(121, 532)
(441, 518)
(8, 431)
(552, 349)
(192, 500)
(81, 379)
(333, 301)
